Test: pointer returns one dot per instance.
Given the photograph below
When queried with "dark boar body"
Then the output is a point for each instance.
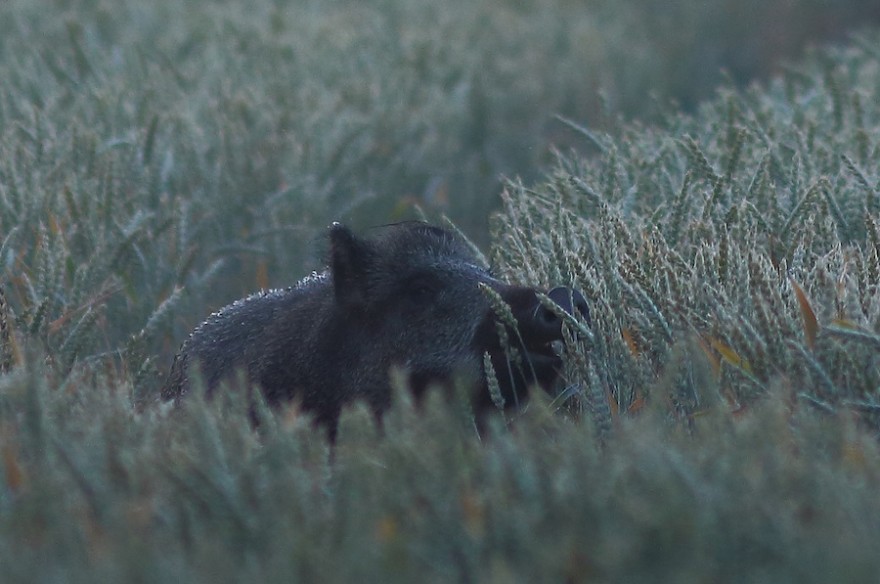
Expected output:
(406, 296)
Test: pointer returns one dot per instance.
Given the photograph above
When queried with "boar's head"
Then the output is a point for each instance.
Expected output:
(416, 297)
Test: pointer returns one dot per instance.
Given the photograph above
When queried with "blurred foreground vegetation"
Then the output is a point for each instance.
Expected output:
(157, 161)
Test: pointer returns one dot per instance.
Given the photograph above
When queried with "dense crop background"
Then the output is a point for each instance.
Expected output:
(749, 232)
(158, 160)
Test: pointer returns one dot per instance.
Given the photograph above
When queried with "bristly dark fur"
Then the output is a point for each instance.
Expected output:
(405, 296)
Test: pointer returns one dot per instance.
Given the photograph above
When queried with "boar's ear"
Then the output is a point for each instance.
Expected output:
(350, 261)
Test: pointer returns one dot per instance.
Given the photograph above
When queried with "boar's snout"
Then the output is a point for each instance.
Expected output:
(538, 324)
(570, 300)
(538, 330)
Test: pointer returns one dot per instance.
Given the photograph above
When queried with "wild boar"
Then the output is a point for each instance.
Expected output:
(406, 296)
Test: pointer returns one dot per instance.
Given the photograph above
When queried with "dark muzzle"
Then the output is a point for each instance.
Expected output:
(546, 324)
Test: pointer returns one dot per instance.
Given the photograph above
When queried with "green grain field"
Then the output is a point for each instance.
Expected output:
(707, 173)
